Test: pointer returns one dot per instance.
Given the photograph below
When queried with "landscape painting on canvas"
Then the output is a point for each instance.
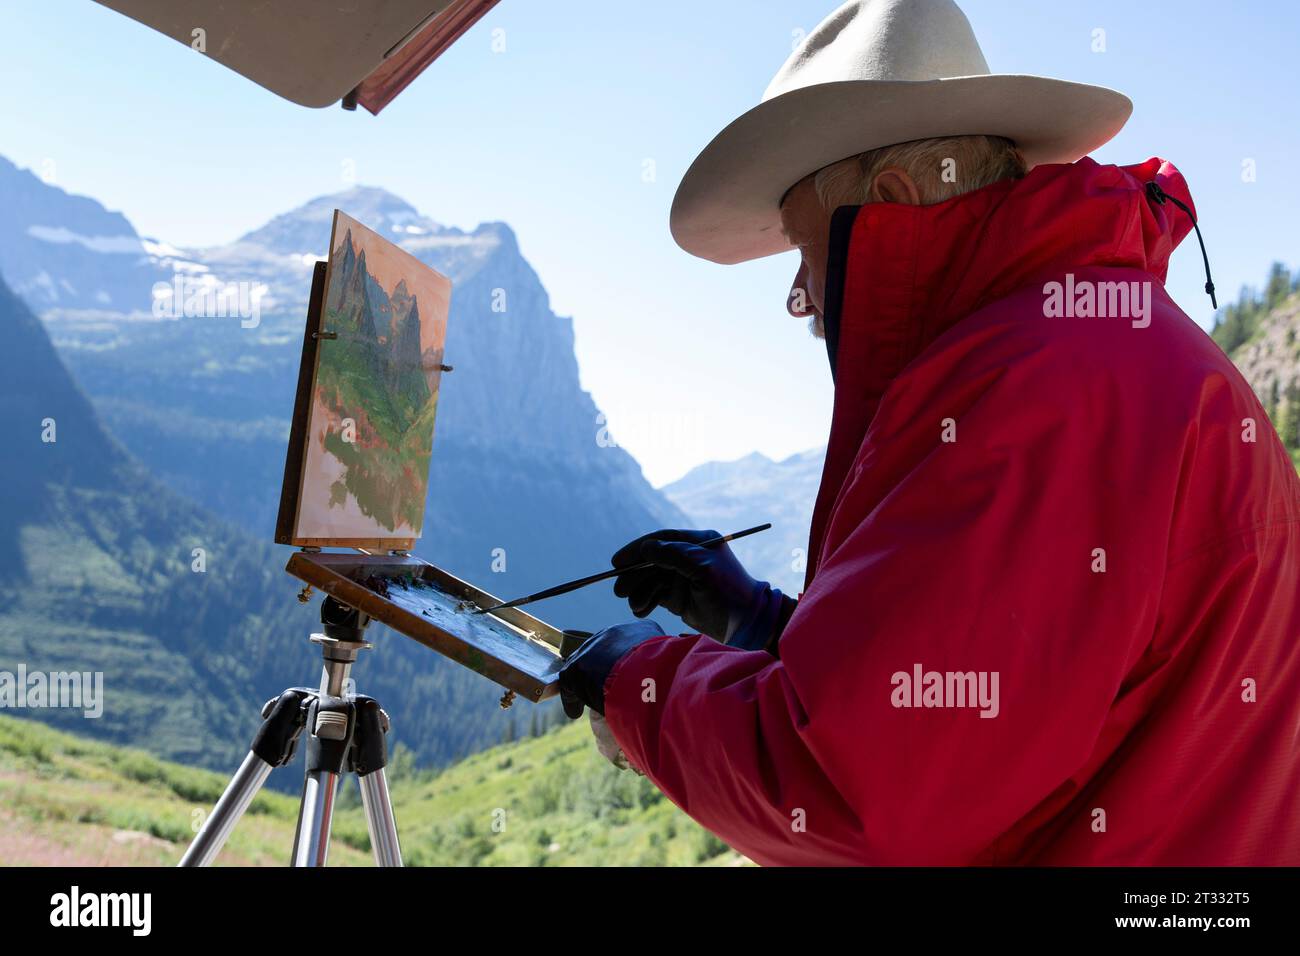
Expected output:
(374, 395)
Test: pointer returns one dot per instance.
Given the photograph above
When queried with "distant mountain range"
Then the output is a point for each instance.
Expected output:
(521, 492)
(63, 253)
(205, 403)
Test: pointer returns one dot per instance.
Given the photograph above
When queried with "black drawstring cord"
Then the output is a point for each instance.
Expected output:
(1159, 196)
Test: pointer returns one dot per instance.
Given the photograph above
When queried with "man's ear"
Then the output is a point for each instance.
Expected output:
(895, 185)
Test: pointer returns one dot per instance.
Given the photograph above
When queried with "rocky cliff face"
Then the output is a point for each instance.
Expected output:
(1270, 361)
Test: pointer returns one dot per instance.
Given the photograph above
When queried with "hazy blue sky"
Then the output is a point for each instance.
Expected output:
(692, 361)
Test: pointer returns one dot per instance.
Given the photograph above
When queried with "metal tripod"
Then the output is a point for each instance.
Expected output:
(346, 733)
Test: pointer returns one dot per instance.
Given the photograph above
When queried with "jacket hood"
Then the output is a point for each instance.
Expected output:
(913, 271)
(899, 276)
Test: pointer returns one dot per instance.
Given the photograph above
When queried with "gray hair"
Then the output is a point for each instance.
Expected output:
(942, 168)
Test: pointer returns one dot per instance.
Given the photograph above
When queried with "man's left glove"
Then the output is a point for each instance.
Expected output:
(583, 676)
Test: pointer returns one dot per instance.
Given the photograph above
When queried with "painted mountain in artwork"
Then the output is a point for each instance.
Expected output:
(370, 435)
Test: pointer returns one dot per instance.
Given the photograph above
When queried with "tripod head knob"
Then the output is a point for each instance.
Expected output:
(343, 622)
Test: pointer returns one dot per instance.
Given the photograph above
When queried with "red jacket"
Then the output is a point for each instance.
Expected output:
(1102, 534)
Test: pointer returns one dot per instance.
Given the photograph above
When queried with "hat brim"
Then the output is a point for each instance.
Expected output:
(727, 208)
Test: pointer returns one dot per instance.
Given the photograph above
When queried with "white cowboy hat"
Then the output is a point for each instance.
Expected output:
(874, 73)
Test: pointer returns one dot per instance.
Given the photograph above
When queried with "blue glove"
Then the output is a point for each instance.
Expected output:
(706, 587)
(582, 678)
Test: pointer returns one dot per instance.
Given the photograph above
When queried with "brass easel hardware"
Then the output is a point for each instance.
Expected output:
(305, 594)
(507, 699)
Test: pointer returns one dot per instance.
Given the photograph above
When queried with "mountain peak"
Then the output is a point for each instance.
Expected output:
(377, 208)
(299, 230)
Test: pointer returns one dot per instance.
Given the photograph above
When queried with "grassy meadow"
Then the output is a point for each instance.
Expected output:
(541, 801)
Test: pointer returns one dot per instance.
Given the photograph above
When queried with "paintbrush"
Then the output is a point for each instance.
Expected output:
(613, 572)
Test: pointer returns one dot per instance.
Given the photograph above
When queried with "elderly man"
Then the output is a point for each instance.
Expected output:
(1050, 615)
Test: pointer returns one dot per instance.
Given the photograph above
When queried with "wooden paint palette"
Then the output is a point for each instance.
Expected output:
(415, 598)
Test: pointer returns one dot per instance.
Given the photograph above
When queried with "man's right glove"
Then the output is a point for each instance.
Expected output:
(706, 587)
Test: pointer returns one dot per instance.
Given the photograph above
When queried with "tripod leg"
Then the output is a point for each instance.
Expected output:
(311, 843)
(248, 779)
(272, 747)
(379, 818)
(368, 758)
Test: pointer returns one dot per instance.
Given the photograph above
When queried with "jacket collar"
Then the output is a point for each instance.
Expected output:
(900, 276)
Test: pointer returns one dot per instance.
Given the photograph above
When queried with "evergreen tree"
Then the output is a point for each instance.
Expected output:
(1288, 423)
(1278, 286)
(1271, 405)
